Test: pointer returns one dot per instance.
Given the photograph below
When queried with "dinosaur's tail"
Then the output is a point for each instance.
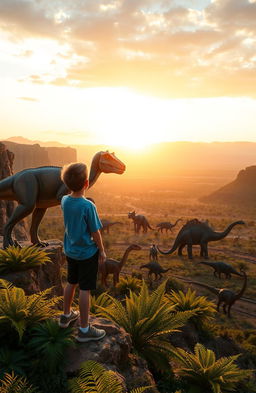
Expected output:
(6, 188)
(212, 289)
(148, 225)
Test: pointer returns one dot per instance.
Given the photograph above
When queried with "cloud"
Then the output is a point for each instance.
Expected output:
(31, 99)
(153, 46)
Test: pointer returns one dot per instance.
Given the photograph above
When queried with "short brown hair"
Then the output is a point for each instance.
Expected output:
(74, 175)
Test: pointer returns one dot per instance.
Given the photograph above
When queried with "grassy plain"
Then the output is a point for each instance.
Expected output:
(167, 201)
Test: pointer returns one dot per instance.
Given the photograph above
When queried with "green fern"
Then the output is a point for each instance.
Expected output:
(149, 319)
(12, 360)
(101, 301)
(19, 312)
(94, 378)
(49, 342)
(14, 259)
(204, 309)
(205, 372)
(14, 384)
(127, 284)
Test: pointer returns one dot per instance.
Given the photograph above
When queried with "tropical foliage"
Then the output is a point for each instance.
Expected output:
(19, 312)
(149, 319)
(15, 384)
(49, 342)
(14, 259)
(94, 378)
(204, 309)
(100, 301)
(127, 284)
(12, 361)
(206, 374)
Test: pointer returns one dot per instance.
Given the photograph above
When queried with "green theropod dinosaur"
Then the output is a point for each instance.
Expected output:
(222, 267)
(154, 268)
(36, 189)
(139, 221)
(226, 297)
(196, 232)
(167, 225)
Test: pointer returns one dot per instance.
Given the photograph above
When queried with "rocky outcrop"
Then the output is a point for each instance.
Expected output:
(114, 353)
(30, 156)
(44, 276)
(7, 207)
(241, 190)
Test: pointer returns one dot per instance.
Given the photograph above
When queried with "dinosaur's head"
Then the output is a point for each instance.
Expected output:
(109, 163)
(135, 247)
(131, 214)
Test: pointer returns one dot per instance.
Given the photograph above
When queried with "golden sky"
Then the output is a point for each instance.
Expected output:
(89, 71)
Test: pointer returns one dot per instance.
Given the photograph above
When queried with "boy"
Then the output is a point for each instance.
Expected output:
(83, 248)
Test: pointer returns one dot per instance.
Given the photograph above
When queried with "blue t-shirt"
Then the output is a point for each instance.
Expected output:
(80, 220)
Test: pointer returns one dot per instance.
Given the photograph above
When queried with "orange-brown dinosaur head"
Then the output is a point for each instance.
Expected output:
(109, 163)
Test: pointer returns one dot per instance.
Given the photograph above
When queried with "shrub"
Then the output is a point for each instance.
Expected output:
(15, 384)
(14, 259)
(127, 284)
(204, 310)
(19, 312)
(12, 361)
(101, 301)
(148, 318)
(206, 374)
(94, 378)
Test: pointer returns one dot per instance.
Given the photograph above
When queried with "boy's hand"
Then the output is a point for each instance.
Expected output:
(101, 260)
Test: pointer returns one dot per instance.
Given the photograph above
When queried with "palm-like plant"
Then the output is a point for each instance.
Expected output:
(49, 342)
(127, 284)
(15, 384)
(148, 318)
(94, 378)
(18, 311)
(204, 309)
(101, 301)
(14, 259)
(12, 361)
(206, 374)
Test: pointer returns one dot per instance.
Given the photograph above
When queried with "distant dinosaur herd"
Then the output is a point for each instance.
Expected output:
(36, 189)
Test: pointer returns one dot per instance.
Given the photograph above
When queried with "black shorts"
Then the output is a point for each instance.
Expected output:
(83, 272)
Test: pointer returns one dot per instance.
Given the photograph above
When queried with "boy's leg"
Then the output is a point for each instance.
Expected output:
(69, 292)
(84, 307)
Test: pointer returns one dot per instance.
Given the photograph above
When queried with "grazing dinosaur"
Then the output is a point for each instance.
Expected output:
(112, 266)
(222, 267)
(107, 224)
(168, 226)
(196, 232)
(153, 253)
(226, 296)
(154, 268)
(139, 221)
(36, 189)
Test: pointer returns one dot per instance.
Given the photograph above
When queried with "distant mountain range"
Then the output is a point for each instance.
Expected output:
(222, 159)
(242, 190)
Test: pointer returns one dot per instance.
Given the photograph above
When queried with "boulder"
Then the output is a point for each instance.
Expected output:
(44, 276)
(114, 353)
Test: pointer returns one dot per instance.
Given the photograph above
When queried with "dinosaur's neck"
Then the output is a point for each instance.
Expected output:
(94, 170)
(125, 256)
(221, 235)
(240, 294)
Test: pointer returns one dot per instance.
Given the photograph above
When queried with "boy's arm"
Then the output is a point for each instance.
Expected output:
(102, 255)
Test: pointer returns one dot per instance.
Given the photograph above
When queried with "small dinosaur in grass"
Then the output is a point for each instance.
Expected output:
(113, 266)
(154, 268)
(153, 253)
(222, 267)
(226, 296)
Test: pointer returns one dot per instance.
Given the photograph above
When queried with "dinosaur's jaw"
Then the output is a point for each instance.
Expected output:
(109, 163)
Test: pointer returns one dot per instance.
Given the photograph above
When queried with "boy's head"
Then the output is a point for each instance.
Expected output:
(75, 176)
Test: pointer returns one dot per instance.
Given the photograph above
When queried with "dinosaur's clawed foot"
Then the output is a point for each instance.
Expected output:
(41, 244)
(16, 244)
